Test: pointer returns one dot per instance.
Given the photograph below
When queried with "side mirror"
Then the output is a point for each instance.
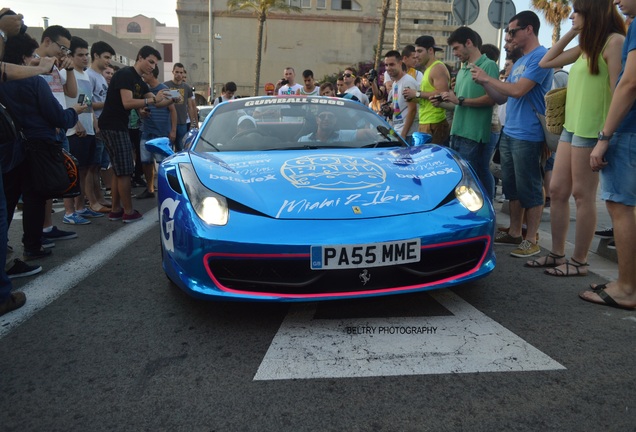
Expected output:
(159, 147)
(421, 138)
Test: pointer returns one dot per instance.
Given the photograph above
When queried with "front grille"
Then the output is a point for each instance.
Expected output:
(293, 276)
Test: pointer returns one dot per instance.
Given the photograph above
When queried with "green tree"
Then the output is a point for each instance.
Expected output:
(555, 12)
(260, 8)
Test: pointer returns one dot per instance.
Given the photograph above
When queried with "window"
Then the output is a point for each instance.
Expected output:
(167, 53)
(305, 4)
(293, 3)
(195, 28)
(133, 27)
(321, 4)
(345, 5)
(423, 21)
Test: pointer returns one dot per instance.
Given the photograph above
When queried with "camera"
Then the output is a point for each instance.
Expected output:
(387, 110)
(372, 75)
(23, 28)
(284, 82)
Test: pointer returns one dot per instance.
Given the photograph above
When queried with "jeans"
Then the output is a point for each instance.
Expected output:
(182, 130)
(478, 155)
(521, 170)
(18, 182)
(5, 282)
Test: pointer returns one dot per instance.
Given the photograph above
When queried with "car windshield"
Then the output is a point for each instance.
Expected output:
(284, 123)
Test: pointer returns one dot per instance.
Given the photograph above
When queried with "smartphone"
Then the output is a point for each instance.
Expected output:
(174, 94)
(438, 98)
(80, 99)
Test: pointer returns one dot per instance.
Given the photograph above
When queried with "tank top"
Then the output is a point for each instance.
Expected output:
(589, 97)
(427, 112)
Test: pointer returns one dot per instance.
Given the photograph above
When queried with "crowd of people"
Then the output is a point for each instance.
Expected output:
(486, 115)
(61, 92)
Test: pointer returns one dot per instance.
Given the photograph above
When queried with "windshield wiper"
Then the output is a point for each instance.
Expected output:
(209, 143)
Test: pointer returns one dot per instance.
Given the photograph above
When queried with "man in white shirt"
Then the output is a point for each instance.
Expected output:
(349, 79)
(288, 85)
(404, 111)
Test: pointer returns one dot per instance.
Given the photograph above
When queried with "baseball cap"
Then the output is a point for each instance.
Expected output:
(427, 42)
(248, 119)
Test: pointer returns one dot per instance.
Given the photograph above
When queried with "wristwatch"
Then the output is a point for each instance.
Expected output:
(603, 137)
(461, 100)
(418, 94)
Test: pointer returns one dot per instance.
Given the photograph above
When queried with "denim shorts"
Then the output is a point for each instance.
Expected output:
(521, 170)
(145, 155)
(618, 178)
(577, 141)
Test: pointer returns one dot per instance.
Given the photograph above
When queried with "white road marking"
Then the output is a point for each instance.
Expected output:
(45, 289)
(466, 342)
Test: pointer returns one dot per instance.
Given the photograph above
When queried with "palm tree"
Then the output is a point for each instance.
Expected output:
(396, 25)
(386, 4)
(260, 8)
(555, 12)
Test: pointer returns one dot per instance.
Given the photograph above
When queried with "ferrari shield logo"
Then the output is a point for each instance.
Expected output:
(357, 210)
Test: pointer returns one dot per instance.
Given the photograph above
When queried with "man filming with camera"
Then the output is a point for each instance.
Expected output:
(288, 85)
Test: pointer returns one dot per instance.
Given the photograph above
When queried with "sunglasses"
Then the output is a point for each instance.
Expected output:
(326, 116)
(513, 32)
(347, 75)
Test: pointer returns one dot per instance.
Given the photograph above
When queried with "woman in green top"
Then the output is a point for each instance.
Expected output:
(593, 75)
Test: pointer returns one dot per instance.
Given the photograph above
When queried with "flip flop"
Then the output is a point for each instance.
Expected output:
(556, 271)
(535, 263)
(598, 287)
(606, 300)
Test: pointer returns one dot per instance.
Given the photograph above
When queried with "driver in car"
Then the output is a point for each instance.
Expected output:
(327, 131)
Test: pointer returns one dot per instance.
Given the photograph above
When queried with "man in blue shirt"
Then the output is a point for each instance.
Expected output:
(160, 122)
(522, 139)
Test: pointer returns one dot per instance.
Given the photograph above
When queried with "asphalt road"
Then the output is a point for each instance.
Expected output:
(105, 342)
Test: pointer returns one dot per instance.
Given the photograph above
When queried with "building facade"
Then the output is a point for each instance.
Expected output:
(326, 37)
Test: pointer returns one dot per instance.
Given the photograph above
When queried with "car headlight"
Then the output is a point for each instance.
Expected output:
(209, 206)
(467, 191)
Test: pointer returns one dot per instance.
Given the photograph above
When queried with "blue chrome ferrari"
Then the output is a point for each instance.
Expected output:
(296, 198)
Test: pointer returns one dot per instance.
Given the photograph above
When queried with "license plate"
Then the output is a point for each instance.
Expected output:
(365, 255)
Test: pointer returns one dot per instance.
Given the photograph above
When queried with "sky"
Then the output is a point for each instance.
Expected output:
(82, 13)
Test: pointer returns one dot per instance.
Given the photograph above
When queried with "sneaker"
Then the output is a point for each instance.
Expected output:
(505, 238)
(57, 234)
(611, 245)
(47, 244)
(75, 219)
(115, 216)
(31, 255)
(22, 269)
(15, 301)
(133, 217)
(145, 194)
(606, 233)
(526, 249)
(89, 213)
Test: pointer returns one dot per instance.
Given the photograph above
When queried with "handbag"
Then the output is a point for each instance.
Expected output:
(48, 167)
(551, 139)
(555, 109)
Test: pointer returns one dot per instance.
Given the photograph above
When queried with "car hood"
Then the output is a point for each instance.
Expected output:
(332, 183)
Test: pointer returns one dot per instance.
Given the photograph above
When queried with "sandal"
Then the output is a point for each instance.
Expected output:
(549, 260)
(598, 287)
(576, 265)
